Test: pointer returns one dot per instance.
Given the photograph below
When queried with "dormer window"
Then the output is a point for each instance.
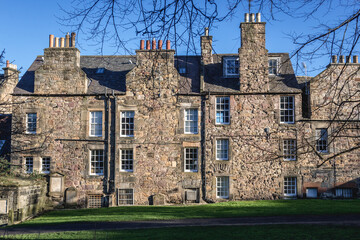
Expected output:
(273, 66)
(231, 66)
(100, 70)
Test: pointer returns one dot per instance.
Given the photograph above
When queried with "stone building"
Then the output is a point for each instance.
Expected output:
(156, 128)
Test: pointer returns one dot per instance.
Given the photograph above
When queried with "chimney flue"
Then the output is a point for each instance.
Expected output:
(142, 44)
(67, 40)
(252, 17)
(153, 44)
(73, 35)
(247, 17)
(355, 59)
(341, 59)
(167, 44)
(51, 41)
(258, 17)
(147, 44)
(334, 59)
(7, 63)
(160, 43)
(62, 42)
(206, 31)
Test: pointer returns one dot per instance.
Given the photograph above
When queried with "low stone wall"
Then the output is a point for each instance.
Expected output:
(21, 199)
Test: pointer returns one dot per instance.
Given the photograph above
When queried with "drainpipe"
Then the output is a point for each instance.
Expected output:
(115, 137)
(107, 142)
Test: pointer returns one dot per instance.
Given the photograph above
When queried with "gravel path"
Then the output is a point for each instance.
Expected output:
(348, 220)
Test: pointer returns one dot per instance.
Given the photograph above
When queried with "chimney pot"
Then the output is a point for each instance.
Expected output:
(160, 43)
(167, 44)
(142, 43)
(147, 44)
(252, 17)
(67, 40)
(206, 31)
(348, 59)
(355, 59)
(341, 59)
(56, 42)
(258, 17)
(153, 44)
(334, 59)
(62, 42)
(51, 41)
(246, 17)
(7, 63)
(73, 35)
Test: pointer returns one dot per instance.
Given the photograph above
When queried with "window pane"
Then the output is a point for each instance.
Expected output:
(126, 197)
(290, 186)
(222, 149)
(289, 149)
(29, 164)
(31, 122)
(321, 140)
(45, 165)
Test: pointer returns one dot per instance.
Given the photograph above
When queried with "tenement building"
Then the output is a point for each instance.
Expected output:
(156, 128)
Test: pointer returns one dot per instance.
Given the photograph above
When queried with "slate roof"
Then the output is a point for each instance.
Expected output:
(116, 67)
(285, 81)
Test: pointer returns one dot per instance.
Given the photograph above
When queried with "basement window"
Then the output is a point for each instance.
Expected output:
(100, 70)
(94, 201)
(126, 196)
(344, 193)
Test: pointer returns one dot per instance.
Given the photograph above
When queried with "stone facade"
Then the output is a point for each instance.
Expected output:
(173, 129)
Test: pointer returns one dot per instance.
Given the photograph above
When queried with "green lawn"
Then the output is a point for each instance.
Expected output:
(278, 232)
(226, 209)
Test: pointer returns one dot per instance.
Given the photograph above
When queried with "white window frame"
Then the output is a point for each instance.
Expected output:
(222, 149)
(222, 187)
(222, 105)
(191, 159)
(290, 186)
(126, 194)
(286, 111)
(289, 149)
(32, 129)
(127, 126)
(322, 140)
(234, 66)
(96, 159)
(47, 165)
(191, 116)
(29, 164)
(127, 160)
(96, 125)
(272, 67)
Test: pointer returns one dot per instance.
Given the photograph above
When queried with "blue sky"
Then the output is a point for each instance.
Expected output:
(26, 25)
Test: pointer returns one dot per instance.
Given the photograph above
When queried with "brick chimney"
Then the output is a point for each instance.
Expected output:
(253, 56)
(206, 48)
(61, 68)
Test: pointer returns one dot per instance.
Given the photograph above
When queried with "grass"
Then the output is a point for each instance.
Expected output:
(278, 232)
(218, 210)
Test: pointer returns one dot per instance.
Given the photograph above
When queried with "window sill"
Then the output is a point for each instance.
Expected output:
(222, 160)
(189, 171)
(125, 171)
(289, 160)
